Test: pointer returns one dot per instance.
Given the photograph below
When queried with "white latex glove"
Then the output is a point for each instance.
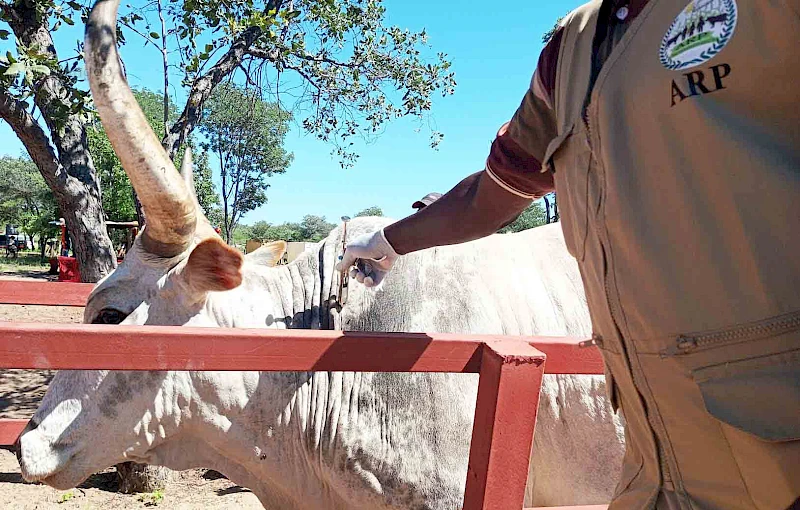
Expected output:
(369, 257)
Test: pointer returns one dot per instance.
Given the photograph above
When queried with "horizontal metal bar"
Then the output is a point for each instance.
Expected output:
(91, 346)
(579, 507)
(26, 292)
(10, 430)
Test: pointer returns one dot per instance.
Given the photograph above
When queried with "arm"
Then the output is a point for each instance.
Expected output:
(477, 207)
(485, 201)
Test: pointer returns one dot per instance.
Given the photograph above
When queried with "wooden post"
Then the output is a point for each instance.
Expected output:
(505, 418)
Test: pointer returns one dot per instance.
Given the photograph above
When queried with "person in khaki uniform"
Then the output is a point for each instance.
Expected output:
(671, 132)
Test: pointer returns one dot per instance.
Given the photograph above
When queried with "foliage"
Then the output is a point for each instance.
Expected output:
(66, 496)
(370, 211)
(239, 236)
(337, 66)
(259, 229)
(533, 216)
(25, 199)
(24, 70)
(118, 203)
(153, 498)
(550, 33)
(315, 228)
(247, 135)
(207, 195)
(289, 232)
(311, 229)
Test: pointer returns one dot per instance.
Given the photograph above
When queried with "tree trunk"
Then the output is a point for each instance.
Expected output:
(78, 200)
(135, 478)
(71, 174)
(555, 208)
(547, 210)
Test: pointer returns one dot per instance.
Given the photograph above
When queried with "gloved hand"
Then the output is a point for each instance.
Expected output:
(372, 256)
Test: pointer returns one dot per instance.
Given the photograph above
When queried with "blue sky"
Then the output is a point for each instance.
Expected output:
(494, 48)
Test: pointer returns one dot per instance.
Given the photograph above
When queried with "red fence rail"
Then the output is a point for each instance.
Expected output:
(510, 369)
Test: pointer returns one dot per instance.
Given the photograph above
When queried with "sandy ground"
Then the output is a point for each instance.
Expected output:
(20, 392)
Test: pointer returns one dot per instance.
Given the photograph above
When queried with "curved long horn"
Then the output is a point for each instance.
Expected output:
(170, 208)
(187, 172)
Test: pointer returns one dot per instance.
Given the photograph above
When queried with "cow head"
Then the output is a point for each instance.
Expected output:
(89, 420)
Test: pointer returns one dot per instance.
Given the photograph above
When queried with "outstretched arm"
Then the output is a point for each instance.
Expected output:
(476, 207)
(485, 201)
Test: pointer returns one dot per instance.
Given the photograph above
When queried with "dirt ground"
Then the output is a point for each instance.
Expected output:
(20, 393)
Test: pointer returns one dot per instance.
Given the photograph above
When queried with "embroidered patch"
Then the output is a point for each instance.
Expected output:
(699, 32)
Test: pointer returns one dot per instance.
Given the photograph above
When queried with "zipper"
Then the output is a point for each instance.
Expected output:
(666, 473)
(778, 325)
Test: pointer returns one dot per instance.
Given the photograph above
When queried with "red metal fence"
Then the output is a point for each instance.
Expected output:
(510, 369)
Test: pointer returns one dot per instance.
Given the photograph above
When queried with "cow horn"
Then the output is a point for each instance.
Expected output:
(187, 172)
(168, 203)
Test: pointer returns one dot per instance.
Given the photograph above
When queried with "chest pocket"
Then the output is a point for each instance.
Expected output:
(577, 186)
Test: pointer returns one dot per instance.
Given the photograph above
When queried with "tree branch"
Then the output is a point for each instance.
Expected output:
(164, 58)
(35, 141)
(204, 85)
(273, 55)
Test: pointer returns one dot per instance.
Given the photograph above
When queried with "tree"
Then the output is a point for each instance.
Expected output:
(240, 236)
(260, 229)
(315, 228)
(25, 199)
(370, 211)
(533, 216)
(118, 195)
(344, 71)
(289, 232)
(551, 207)
(247, 135)
(36, 77)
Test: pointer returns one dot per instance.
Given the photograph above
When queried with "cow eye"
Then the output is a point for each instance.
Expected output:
(109, 316)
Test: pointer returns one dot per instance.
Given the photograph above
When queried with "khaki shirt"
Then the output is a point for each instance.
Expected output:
(678, 181)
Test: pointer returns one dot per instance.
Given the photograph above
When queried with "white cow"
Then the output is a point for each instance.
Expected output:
(332, 440)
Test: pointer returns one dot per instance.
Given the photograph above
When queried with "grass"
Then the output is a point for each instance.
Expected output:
(153, 498)
(25, 262)
(65, 497)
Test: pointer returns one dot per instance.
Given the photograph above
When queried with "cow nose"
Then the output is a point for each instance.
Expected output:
(32, 425)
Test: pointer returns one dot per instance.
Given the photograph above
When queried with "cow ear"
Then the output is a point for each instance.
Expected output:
(269, 254)
(214, 266)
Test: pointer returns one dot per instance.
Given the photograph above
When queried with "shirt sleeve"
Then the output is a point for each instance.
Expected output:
(515, 159)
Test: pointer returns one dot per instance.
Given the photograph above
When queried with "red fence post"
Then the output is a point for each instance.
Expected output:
(505, 417)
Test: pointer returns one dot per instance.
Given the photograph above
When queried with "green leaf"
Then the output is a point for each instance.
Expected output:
(38, 68)
(4, 34)
(154, 35)
(75, 5)
(68, 20)
(15, 69)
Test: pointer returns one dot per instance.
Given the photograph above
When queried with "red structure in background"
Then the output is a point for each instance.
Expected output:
(68, 270)
(510, 369)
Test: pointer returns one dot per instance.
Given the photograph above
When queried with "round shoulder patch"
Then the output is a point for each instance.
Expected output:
(699, 32)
